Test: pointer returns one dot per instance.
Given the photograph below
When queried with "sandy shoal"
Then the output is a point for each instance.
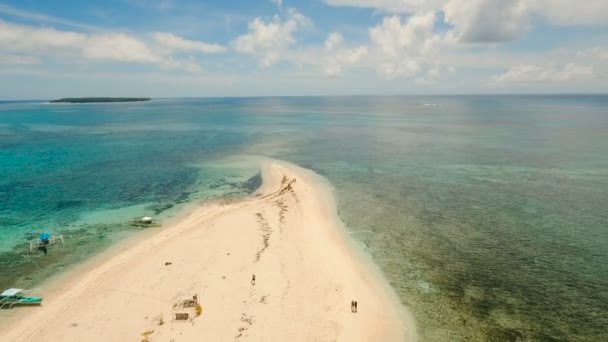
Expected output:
(307, 272)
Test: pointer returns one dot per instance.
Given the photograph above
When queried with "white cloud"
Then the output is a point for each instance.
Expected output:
(11, 59)
(186, 65)
(270, 40)
(335, 62)
(26, 38)
(487, 20)
(405, 49)
(66, 46)
(472, 20)
(408, 45)
(561, 66)
(570, 12)
(331, 58)
(414, 36)
(173, 42)
(118, 47)
(333, 40)
(596, 55)
(546, 73)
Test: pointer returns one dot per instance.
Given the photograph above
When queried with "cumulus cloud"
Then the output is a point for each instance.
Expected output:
(488, 21)
(472, 20)
(270, 40)
(113, 47)
(412, 37)
(485, 21)
(338, 57)
(405, 48)
(174, 43)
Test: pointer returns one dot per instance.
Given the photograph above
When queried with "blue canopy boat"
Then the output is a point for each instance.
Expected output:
(45, 240)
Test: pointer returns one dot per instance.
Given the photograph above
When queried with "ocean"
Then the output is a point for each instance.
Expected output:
(485, 213)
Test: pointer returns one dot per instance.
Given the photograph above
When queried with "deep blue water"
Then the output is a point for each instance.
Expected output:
(486, 213)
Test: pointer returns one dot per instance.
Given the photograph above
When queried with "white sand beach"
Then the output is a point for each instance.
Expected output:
(306, 269)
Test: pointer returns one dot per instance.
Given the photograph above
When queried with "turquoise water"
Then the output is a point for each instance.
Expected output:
(486, 213)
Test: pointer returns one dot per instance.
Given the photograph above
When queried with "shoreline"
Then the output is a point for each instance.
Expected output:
(55, 284)
(127, 285)
(52, 286)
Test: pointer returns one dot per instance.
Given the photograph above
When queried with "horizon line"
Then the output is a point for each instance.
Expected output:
(344, 95)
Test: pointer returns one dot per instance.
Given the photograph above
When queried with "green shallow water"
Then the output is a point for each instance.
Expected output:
(485, 213)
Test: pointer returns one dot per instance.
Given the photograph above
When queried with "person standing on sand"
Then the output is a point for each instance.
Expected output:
(253, 280)
(352, 306)
(356, 309)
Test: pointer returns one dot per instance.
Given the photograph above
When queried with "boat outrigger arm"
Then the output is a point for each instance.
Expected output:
(19, 297)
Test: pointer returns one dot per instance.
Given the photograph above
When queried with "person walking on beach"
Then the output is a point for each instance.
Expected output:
(352, 306)
(253, 280)
(356, 309)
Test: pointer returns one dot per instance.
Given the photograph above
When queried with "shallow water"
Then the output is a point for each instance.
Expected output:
(87, 171)
(484, 212)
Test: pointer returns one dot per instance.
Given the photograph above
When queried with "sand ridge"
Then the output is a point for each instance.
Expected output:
(306, 276)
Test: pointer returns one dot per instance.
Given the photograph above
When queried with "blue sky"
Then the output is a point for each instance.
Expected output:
(183, 48)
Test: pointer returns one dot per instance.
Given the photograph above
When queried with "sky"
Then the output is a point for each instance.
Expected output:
(188, 48)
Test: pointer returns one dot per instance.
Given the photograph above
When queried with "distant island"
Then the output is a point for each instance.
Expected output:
(100, 99)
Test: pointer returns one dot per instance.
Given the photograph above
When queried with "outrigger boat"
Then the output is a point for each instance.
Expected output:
(45, 240)
(13, 297)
